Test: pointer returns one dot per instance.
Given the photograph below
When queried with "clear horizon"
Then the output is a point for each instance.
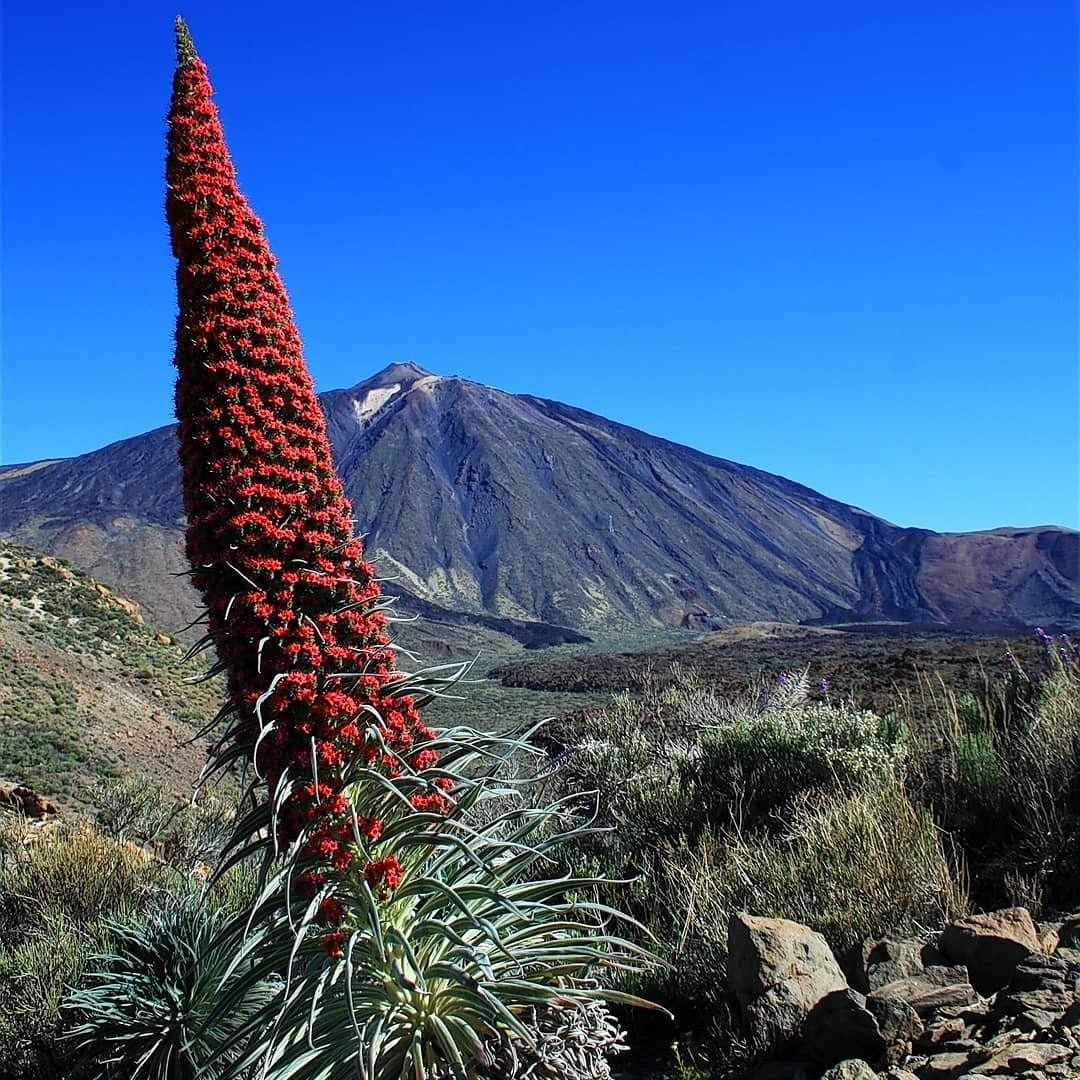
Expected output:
(838, 244)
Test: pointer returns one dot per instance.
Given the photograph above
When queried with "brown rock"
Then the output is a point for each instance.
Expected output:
(28, 802)
(163, 639)
(1025, 1059)
(779, 971)
(944, 1066)
(991, 945)
(1039, 994)
(840, 1024)
(897, 1021)
(1049, 940)
(936, 988)
(939, 1034)
(875, 963)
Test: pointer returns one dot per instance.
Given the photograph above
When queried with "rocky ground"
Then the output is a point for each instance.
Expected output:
(993, 995)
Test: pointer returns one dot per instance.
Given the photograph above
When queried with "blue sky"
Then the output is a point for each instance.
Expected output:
(836, 241)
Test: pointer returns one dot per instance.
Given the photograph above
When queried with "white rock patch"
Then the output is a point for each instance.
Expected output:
(373, 401)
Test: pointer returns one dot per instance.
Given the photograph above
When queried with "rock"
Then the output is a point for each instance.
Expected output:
(1025, 1058)
(944, 1066)
(852, 1069)
(875, 963)
(1039, 994)
(1070, 955)
(899, 1024)
(895, 1073)
(1048, 935)
(896, 1019)
(990, 946)
(841, 1024)
(779, 971)
(1069, 932)
(941, 1033)
(28, 802)
(163, 639)
(937, 988)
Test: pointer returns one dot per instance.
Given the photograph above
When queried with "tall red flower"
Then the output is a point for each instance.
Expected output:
(288, 595)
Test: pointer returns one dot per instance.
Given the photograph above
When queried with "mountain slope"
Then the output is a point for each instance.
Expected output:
(87, 690)
(512, 506)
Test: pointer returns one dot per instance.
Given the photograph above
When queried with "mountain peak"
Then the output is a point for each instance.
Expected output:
(404, 373)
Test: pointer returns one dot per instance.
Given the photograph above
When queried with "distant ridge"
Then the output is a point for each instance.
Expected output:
(513, 507)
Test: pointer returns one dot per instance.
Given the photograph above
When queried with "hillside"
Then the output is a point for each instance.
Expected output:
(87, 689)
(499, 506)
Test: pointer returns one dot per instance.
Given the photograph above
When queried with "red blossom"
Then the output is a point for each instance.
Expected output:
(332, 943)
(270, 539)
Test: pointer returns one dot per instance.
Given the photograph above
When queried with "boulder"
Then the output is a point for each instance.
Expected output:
(779, 971)
(1049, 939)
(28, 802)
(1039, 994)
(936, 988)
(840, 1024)
(945, 1066)
(875, 963)
(1022, 1058)
(852, 1069)
(990, 946)
(900, 1025)
(1069, 932)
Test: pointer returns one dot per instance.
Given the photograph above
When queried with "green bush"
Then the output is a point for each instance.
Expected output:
(681, 761)
(849, 866)
(35, 975)
(1001, 770)
(70, 871)
(769, 802)
(148, 1009)
(762, 761)
(61, 888)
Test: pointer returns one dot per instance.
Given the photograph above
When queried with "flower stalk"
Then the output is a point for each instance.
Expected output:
(292, 606)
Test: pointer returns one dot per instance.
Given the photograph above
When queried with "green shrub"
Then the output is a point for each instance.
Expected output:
(187, 835)
(61, 888)
(764, 760)
(70, 871)
(35, 975)
(1001, 770)
(849, 866)
(680, 761)
(769, 802)
(146, 1009)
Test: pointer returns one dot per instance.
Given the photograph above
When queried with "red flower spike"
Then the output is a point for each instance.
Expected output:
(269, 529)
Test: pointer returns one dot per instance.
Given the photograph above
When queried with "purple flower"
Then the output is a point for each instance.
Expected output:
(824, 684)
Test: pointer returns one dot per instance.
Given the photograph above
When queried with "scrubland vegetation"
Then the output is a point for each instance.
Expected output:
(852, 822)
